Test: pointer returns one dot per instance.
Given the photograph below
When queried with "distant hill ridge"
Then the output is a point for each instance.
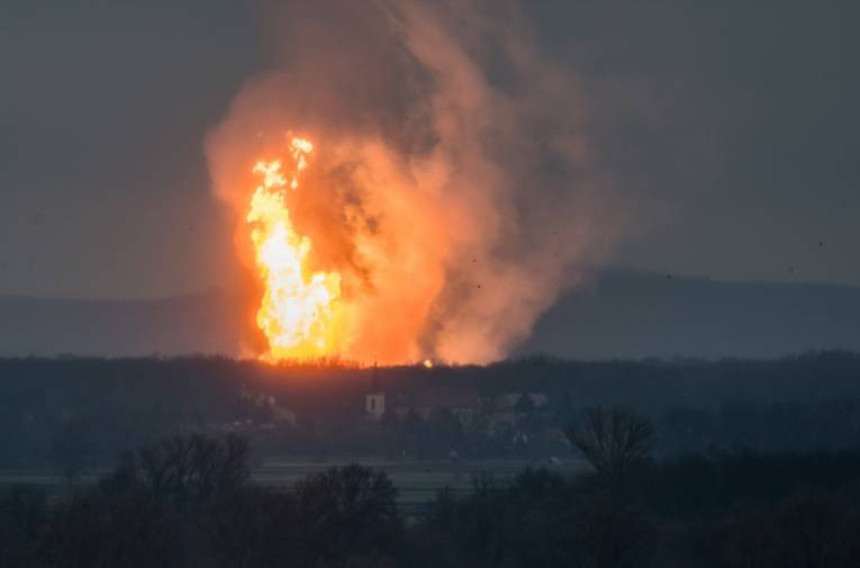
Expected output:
(631, 314)
(621, 314)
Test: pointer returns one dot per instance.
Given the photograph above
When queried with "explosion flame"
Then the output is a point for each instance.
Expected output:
(299, 310)
(452, 194)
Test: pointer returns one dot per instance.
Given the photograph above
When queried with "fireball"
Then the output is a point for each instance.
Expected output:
(435, 212)
(300, 310)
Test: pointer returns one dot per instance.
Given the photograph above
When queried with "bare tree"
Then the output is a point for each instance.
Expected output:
(346, 514)
(615, 530)
(614, 440)
(96, 529)
(186, 471)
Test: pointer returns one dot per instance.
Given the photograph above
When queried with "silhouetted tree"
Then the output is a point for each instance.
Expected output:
(347, 514)
(469, 530)
(22, 517)
(102, 529)
(254, 527)
(812, 531)
(185, 472)
(615, 441)
(541, 520)
(747, 538)
(614, 529)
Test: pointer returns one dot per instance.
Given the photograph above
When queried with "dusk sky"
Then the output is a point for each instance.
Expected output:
(737, 125)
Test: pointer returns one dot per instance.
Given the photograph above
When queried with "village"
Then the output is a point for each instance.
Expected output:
(432, 422)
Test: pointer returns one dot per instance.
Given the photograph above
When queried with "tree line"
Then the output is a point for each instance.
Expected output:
(81, 412)
(188, 501)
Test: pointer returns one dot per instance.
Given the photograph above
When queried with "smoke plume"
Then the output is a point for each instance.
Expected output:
(453, 188)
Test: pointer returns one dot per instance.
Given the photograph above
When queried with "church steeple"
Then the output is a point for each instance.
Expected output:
(374, 386)
(374, 399)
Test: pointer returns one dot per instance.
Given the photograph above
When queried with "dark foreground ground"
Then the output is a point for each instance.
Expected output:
(193, 502)
(210, 462)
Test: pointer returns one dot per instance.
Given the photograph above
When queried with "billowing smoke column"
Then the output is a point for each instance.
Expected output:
(450, 190)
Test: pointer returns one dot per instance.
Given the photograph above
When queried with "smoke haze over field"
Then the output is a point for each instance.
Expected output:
(453, 185)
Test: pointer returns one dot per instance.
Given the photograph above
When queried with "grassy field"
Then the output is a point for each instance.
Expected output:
(417, 482)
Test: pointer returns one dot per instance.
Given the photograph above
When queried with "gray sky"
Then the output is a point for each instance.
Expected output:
(737, 122)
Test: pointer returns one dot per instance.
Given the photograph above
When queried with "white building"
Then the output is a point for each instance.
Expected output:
(374, 405)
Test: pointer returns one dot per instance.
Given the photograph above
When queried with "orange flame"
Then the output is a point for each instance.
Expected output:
(300, 312)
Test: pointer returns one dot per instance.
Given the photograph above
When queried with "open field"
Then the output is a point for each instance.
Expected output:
(417, 481)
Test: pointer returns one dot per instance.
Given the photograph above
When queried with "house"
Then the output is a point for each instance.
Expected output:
(514, 400)
(265, 409)
(507, 411)
(461, 402)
